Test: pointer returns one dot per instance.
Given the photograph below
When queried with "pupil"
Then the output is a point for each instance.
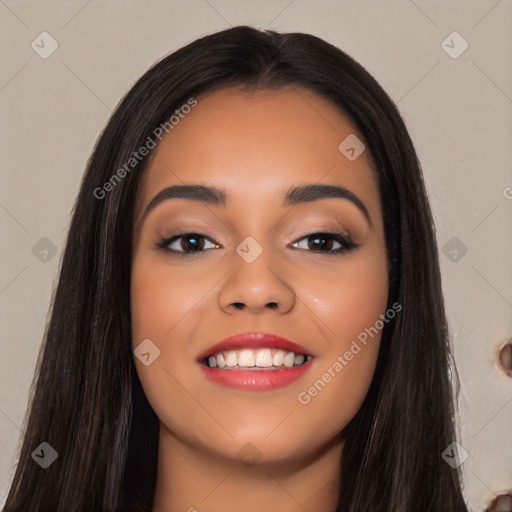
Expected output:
(194, 244)
(321, 245)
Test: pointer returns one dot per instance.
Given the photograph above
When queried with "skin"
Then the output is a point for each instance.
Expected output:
(255, 145)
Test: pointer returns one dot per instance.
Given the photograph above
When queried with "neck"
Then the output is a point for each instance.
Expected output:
(192, 480)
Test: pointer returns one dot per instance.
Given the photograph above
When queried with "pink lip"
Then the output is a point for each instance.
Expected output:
(255, 380)
(254, 340)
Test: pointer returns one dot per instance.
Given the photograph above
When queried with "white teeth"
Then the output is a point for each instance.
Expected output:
(246, 358)
(279, 358)
(299, 359)
(289, 359)
(257, 358)
(231, 359)
(264, 358)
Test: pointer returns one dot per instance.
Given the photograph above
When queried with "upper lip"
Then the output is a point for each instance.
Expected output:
(254, 340)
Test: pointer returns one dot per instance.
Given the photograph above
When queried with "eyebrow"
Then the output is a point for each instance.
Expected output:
(293, 196)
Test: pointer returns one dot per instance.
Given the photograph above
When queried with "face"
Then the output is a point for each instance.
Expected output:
(309, 268)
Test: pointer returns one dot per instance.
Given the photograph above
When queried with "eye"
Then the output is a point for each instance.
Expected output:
(324, 243)
(189, 244)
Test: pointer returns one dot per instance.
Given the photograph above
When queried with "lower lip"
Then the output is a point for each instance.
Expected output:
(256, 380)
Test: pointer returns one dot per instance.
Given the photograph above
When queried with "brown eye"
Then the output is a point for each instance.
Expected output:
(320, 242)
(192, 242)
(186, 244)
(325, 243)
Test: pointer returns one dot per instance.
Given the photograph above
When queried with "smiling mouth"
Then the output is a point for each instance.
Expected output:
(255, 359)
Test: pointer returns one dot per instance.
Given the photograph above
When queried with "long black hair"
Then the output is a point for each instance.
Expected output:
(86, 399)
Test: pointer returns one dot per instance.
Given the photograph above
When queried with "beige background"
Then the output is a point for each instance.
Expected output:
(458, 110)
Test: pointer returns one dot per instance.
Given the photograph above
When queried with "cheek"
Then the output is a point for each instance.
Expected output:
(146, 307)
(159, 299)
(350, 311)
(156, 311)
(352, 297)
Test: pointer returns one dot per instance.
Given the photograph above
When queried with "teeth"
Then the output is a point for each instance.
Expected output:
(231, 359)
(258, 358)
(289, 359)
(279, 358)
(264, 359)
(246, 358)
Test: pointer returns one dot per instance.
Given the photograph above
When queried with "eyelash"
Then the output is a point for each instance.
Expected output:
(345, 241)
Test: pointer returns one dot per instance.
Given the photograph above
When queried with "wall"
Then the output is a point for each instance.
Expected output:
(456, 101)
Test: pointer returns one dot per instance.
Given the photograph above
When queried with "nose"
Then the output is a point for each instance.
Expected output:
(256, 287)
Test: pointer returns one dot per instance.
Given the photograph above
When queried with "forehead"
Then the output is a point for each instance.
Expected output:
(258, 143)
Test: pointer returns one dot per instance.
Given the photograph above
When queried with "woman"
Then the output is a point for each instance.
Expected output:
(249, 314)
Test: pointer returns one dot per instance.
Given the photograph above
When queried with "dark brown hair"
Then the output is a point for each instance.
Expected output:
(87, 401)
